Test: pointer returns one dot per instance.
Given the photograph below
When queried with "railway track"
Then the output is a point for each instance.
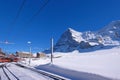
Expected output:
(52, 76)
(8, 73)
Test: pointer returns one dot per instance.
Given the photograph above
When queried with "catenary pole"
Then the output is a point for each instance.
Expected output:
(52, 50)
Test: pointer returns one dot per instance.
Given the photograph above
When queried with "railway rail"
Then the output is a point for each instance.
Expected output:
(11, 76)
(6, 71)
(50, 75)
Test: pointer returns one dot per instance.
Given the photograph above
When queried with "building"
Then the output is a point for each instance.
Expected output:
(2, 54)
(40, 55)
(24, 54)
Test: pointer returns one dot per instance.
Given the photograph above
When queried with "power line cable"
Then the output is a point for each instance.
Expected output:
(40, 9)
(43, 4)
(19, 11)
(16, 17)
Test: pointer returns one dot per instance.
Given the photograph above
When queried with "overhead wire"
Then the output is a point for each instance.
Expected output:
(19, 11)
(40, 9)
(43, 4)
(16, 17)
(10, 28)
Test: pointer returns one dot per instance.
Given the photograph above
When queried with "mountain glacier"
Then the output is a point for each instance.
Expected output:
(72, 40)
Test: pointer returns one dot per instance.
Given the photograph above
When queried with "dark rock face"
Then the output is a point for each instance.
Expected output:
(84, 45)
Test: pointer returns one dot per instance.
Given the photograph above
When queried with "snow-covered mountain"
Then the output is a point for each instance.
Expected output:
(112, 30)
(72, 40)
(111, 33)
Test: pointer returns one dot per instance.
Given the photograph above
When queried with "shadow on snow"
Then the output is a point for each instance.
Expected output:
(71, 74)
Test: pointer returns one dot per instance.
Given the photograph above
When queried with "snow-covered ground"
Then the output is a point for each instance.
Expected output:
(102, 62)
(21, 73)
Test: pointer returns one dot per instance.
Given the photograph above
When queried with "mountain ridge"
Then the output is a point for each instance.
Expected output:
(72, 40)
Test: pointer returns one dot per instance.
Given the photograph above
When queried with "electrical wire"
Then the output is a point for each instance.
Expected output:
(40, 9)
(10, 28)
(19, 11)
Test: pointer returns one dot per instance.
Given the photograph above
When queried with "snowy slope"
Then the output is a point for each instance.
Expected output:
(77, 36)
(102, 62)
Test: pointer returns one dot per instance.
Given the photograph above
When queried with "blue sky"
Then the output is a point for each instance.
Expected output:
(51, 21)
